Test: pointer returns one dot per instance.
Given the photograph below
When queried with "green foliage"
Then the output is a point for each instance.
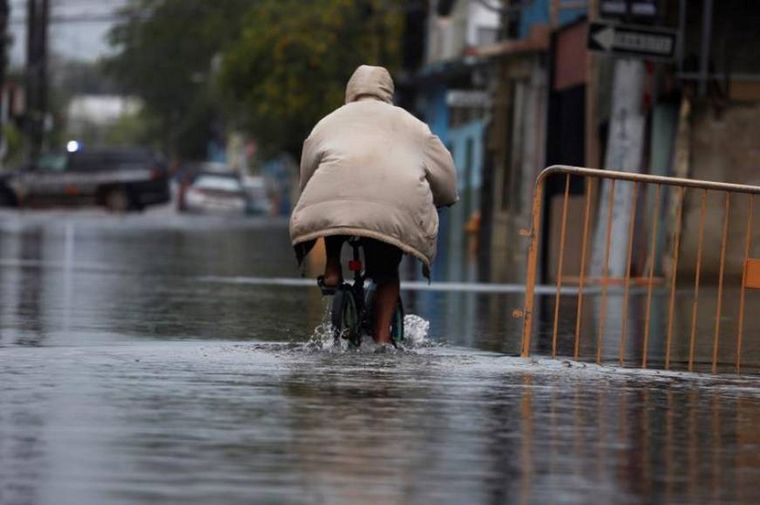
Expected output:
(284, 63)
(14, 142)
(164, 53)
(293, 59)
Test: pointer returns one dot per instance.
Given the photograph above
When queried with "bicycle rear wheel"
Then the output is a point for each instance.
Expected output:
(345, 317)
(397, 323)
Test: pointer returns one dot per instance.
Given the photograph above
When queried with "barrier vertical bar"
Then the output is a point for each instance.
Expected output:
(695, 302)
(674, 274)
(723, 240)
(626, 295)
(650, 288)
(560, 265)
(584, 247)
(606, 270)
(530, 281)
(747, 242)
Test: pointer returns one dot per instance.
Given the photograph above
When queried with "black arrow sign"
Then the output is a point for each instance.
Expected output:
(641, 42)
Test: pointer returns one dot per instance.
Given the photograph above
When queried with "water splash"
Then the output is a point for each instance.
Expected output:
(322, 338)
(415, 331)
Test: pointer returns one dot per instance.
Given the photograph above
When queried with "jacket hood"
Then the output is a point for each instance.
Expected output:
(370, 81)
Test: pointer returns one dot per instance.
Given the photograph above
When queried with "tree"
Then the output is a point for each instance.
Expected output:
(291, 63)
(164, 52)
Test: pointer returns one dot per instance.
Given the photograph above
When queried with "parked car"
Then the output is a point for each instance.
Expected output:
(215, 192)
(119, 179)
(187, 172)
(259, 202)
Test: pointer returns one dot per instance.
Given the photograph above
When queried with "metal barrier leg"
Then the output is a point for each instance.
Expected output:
(584, 251)
(747, 242)
(631, 227)
(723, 240)
(530, 282)
(560, 265)
(674, 275)
(605, 275)
(652, 261)
(695, 302)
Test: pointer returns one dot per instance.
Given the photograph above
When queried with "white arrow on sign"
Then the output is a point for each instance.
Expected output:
(612, 38)
(605, 38)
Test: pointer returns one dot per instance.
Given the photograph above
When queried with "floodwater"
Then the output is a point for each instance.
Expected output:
(136, 367)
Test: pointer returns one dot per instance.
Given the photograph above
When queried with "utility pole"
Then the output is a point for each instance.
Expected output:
(4, 11)
(38, 13)
(624, 151)
(592, 87)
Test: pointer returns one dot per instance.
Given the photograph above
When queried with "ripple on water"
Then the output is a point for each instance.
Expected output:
(282, 422)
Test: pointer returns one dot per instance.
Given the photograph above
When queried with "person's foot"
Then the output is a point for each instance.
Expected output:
(382, 339)
(384, 348)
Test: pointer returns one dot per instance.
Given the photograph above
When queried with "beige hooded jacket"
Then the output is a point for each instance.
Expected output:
(371, 169)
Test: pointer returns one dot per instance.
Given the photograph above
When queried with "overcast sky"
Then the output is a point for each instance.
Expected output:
(74, 36)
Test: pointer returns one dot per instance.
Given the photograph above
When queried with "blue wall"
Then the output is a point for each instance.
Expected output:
(451, 263)
(435, 112)
(432, 106)
(458, 138)
(537, 13)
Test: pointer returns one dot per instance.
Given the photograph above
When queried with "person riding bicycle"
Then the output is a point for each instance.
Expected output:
(372, 170)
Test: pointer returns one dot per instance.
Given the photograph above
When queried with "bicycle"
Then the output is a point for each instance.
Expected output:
(352, 312)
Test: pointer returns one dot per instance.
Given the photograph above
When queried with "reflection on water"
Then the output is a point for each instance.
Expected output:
(659, 327)
(128, 379)
(186, 422)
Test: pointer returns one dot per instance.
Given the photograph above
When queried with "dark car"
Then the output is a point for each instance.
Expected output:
(119, 179)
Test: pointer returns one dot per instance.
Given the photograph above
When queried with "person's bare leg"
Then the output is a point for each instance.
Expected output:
(333, 270)
(386, 299)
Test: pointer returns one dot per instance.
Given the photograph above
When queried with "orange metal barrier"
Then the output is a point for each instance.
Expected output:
(733, 194)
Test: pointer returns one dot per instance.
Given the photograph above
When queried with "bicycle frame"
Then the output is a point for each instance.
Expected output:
(361, 294)
(355, 265)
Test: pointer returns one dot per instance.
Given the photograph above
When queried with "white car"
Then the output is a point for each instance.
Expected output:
(216, 193)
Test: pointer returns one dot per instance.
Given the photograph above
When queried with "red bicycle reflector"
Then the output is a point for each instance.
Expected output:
(355, 265)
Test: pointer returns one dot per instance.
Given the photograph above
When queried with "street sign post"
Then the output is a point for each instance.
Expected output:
(632, 41)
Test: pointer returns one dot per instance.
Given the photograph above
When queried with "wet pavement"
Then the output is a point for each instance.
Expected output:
(135, 368)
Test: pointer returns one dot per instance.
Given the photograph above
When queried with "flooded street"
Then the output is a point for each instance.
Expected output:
(144, 360)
